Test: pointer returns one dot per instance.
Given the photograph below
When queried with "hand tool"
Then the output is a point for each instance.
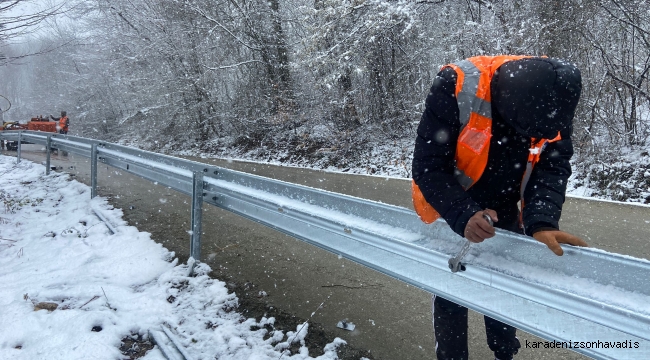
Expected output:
(454, 263)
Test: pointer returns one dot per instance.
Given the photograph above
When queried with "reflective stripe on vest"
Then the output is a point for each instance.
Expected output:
(534, 154)
(468, 98)
(475, 115)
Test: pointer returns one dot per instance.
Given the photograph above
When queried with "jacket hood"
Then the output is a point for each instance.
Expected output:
(537, 96)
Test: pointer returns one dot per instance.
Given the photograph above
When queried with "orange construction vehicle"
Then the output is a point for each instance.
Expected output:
(34, 124)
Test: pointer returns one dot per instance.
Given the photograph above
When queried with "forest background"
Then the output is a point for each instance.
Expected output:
(331, 84)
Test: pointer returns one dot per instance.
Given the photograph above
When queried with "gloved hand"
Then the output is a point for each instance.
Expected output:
(553, 239)
(479, 229)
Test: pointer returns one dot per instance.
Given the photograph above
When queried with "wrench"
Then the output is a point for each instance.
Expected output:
(454, 263)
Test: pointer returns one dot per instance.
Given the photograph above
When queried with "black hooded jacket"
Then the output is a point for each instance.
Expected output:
(530, 98)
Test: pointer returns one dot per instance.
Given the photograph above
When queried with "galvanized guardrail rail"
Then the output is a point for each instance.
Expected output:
(593, 302)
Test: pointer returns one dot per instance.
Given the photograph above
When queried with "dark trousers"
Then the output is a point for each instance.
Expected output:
(450, 326)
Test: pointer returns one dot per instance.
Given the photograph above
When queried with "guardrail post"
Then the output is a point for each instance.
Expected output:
(93, 171)
(20, 140)
(48, 151)
(197, 211)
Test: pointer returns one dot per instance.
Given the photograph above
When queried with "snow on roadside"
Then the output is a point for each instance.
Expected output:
(54, 249)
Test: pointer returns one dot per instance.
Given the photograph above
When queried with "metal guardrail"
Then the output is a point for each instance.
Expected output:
(590, 301)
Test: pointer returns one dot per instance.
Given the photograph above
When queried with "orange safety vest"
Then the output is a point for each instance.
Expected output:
(63, 123)
(475, 115)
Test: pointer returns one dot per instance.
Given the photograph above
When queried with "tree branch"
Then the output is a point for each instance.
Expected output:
(629, 85)
(234, 65)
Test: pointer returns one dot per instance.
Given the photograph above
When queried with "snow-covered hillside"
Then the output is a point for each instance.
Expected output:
(69, 289)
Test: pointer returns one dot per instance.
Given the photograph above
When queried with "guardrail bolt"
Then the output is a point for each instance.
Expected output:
(214, 198)
(205, 170)
(216, 172)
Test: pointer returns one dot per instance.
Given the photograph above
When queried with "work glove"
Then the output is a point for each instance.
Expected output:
(553, 239)
(478, 228)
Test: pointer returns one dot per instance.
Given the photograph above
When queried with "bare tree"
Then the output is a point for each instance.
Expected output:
(343, 74)
(620, 39)
(19, 18)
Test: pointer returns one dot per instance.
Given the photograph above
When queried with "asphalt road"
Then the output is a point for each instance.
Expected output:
(393, 319)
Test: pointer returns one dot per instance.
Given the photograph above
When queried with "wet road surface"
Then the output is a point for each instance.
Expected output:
(393, 319)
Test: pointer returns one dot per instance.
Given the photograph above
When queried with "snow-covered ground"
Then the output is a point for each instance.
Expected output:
(69, 289)
(622, 176)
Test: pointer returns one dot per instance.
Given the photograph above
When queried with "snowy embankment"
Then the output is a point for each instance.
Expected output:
(621, 176)
(69, 289)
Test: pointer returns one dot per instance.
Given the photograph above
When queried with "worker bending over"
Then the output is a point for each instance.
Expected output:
(496, 131)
